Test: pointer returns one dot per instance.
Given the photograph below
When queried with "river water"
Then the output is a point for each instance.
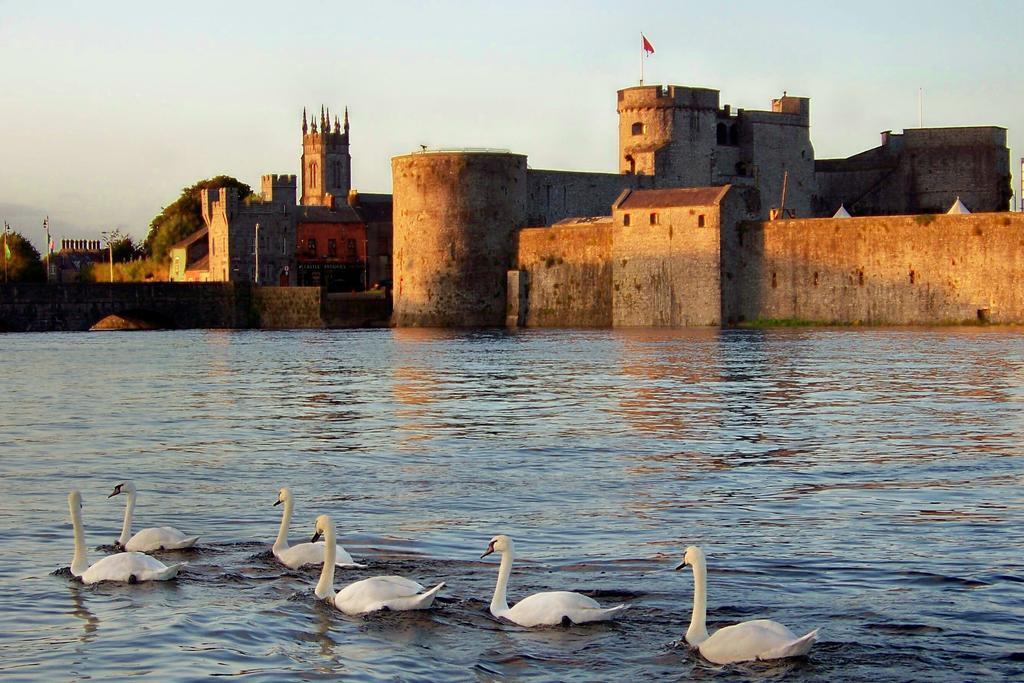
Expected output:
(866, 482)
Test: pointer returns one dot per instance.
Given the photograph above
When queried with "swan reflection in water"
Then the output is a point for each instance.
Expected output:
(92, 622)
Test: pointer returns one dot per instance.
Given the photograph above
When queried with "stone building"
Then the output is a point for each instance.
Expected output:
(252, 241)
(921, 170)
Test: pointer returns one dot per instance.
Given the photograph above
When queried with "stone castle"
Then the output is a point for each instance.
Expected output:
(671, 239)
(666, 241)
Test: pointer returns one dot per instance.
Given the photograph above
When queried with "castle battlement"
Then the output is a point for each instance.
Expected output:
(667, 96)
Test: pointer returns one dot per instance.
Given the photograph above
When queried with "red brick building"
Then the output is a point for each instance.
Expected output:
(330, 249)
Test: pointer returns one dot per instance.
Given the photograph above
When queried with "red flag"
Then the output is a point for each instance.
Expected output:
(648, 48)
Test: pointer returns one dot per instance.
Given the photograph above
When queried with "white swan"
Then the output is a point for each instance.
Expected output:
(130, 567)
(368, 595)
(153, 538)
(303, 553)
(744, 642)
(541, 609)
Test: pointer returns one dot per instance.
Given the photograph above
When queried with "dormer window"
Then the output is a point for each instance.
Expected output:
(638, 128)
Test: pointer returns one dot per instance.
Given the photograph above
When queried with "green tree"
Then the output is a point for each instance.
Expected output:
(124, 247)
(25, 264)
(184, 216)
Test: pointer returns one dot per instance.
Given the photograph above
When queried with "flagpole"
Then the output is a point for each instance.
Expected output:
(641, 58)
(46, 227)
(6, 229)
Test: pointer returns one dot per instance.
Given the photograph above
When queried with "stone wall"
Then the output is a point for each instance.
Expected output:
(286, 308)
(898, 270)
(41, 307)
(556, 195)
(568, 275)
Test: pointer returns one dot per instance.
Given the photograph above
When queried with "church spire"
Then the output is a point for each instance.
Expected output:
(346, 120)
(305, 128)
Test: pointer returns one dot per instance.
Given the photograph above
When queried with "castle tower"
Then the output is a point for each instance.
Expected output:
(668, 132)
(326, 162)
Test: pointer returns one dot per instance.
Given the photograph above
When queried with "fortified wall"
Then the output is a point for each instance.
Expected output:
(893, 270)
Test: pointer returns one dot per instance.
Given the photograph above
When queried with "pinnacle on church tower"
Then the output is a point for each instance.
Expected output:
(305, 128)
(346, 120)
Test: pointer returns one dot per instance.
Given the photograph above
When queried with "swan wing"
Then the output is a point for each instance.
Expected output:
(747, 641)
(795, 648)
(302, 554)
(375, 593)
(159, 538)
(551, 608)
(131, 567)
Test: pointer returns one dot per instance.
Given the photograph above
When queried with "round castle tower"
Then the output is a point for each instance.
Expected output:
(455, 216)
(668, 132)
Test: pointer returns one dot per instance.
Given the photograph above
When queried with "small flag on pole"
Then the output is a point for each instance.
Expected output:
(646, 44)
(7, 249)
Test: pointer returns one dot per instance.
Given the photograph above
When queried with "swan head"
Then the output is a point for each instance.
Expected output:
(123, 487)
(323, 523)
(283, 495)
(499, 543)
(75, 499)
(693, 556)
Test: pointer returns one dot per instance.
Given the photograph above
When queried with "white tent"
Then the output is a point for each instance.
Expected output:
(842, 212)
(958, 207)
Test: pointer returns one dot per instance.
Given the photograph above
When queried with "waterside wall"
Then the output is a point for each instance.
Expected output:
(886, 270)
(39, 307)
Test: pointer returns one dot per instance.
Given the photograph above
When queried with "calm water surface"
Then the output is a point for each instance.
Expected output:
(867, 482)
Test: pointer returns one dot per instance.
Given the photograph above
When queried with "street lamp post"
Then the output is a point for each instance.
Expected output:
(256, 277)
(110, 246)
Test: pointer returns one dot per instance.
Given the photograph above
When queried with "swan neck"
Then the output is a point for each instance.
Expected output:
(126, 528)
(325, 586)
(698, 631)
(286, 518)
(80, 562)
(499, 603)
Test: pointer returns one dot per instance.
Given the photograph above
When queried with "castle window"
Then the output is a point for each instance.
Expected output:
(632, 163)
(332, 247)
(654, 219)
(638, 128)
(700, 221)
(625, 219)
(311, 246)
(734, 135)
(722, 134)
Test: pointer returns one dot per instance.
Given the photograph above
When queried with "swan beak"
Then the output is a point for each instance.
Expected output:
(117, 490)
(680, 565)
(490, 549)
(277, 502)
(316, 537)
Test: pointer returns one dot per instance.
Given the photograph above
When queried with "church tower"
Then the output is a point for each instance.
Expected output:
(326, 162)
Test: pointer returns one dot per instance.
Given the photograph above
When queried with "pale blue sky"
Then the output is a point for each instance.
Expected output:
(108, 109)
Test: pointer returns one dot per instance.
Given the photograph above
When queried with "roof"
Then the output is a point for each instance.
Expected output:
(191, 239)
(374, 207)
(343, 213)
(201, 264)
(585, 220)
(679, 196)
